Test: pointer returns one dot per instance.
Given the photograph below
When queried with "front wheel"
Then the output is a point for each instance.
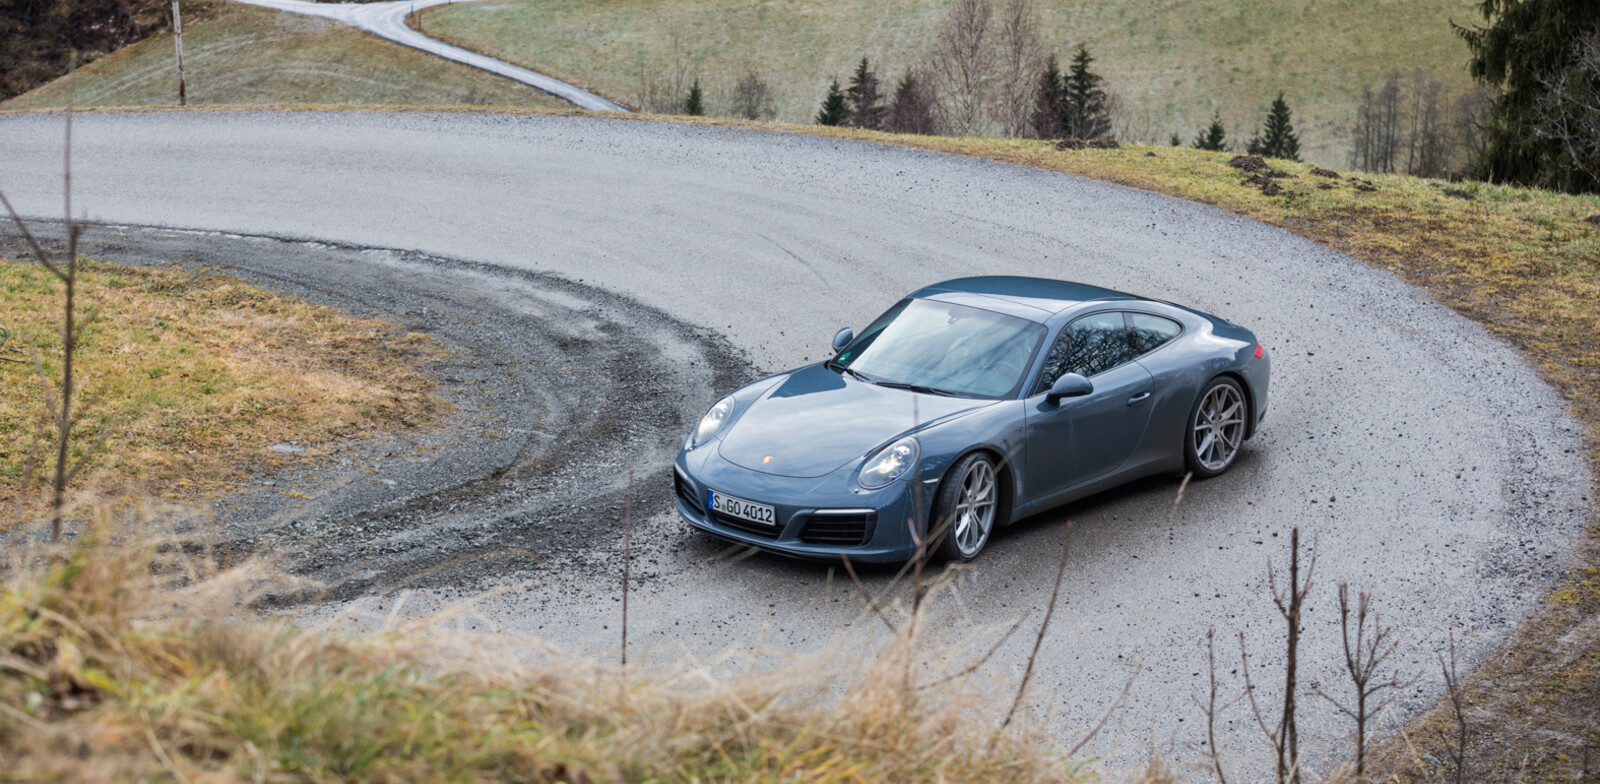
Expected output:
(1216, 428)
(966, 508)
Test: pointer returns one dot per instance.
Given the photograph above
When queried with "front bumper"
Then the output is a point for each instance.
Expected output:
(819, 518)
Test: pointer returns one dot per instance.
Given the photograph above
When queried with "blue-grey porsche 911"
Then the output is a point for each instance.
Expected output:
(971, 403)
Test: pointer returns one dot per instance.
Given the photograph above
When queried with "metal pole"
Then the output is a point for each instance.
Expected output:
(177, 37)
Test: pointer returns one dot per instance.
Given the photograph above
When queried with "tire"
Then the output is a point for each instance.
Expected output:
(967, 508)
(1215, 429)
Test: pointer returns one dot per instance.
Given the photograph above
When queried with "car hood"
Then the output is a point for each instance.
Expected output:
(818, 420)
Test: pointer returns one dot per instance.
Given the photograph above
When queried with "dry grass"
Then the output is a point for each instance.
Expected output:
(242, 54)
(194, 375)
(123, 662)
(1172, 63)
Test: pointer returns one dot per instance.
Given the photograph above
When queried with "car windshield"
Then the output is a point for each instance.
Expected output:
(944, 348)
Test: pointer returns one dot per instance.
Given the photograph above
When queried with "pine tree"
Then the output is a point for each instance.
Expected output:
(1176, 141)
(911, 111)
(1280, 140)
(1524, 47)
(835, 110)
(865, 98)
(1084, 113)
(695, 106)
(1213, 137)
(1047, 101)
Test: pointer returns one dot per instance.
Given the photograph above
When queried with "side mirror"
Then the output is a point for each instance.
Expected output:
(1069, 385)
(842, 338)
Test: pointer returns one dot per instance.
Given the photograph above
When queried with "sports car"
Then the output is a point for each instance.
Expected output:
(970, 404)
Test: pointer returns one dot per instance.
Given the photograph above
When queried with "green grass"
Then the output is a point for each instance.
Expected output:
(1172, 63)
(246, 55)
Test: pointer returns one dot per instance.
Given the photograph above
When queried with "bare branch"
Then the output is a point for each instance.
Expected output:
(872, 604)
(1049, 610)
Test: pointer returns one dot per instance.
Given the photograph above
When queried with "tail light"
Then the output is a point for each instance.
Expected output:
(1260, 352)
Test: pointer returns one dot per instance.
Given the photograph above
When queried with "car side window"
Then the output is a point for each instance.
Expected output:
(1148, 332)
(1092, 344)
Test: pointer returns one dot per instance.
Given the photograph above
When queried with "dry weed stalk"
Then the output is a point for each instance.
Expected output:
(1210, 708)
(1364, 655)
(1452, 685)
(627, 560)
(1044, 626)
(1285, 739)
(60, 406)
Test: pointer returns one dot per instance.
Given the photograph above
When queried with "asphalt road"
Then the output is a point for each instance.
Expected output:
(1424, 458)
(388, 20)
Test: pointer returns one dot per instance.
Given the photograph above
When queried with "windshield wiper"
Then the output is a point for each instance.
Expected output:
(845, 369)
(917, 388)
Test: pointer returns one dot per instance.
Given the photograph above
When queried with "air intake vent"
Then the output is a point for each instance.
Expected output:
(687, 493)
(839, 529)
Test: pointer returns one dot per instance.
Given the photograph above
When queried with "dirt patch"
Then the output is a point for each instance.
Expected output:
(1249, 163)
(1592, 220)
(1457, 193)
(1097, 143)
(1321, 172)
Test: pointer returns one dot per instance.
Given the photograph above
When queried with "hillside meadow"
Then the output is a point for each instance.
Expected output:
(1172, 64)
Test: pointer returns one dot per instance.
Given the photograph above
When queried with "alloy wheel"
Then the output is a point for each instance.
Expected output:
(974, 511)
(1219, 427)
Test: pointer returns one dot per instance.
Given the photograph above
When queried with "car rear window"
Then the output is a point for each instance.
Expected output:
(1150, 332)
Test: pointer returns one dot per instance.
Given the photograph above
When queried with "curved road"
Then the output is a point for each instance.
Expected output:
(1425, 459)
(388, 20)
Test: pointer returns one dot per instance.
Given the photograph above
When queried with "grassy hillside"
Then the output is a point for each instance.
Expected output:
(1172, 63)
(248, 55)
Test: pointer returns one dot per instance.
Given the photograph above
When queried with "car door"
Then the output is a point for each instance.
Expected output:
(1078, 440)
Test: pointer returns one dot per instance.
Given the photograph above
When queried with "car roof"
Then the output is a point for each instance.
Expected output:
(1036, 299)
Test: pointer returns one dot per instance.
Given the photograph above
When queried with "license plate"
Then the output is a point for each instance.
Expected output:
(742, 509)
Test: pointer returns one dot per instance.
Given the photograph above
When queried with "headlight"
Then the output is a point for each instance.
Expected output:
(890, 463)
(712, 421)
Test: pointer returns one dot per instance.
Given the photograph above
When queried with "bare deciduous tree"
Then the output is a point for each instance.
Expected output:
(664, 92)
(1020, 60)
(1427, 145)
(752, 96)
(1364, 655)
(1569, 110)
(963, 65)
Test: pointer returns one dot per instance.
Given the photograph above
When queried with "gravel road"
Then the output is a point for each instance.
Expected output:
(1423, 457)
(388, 20)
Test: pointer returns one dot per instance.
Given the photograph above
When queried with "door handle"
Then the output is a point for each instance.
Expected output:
(1139, 398)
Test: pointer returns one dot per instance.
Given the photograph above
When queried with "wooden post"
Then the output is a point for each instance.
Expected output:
(177, 37)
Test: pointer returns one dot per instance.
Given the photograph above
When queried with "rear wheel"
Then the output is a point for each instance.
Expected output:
(966, 508)
(1216, 428)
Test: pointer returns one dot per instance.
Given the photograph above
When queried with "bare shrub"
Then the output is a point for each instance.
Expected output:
(663, 91)
(962, 65)
(752, 96)
(1364, 655)
(1284, 735)
(1019, 62)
